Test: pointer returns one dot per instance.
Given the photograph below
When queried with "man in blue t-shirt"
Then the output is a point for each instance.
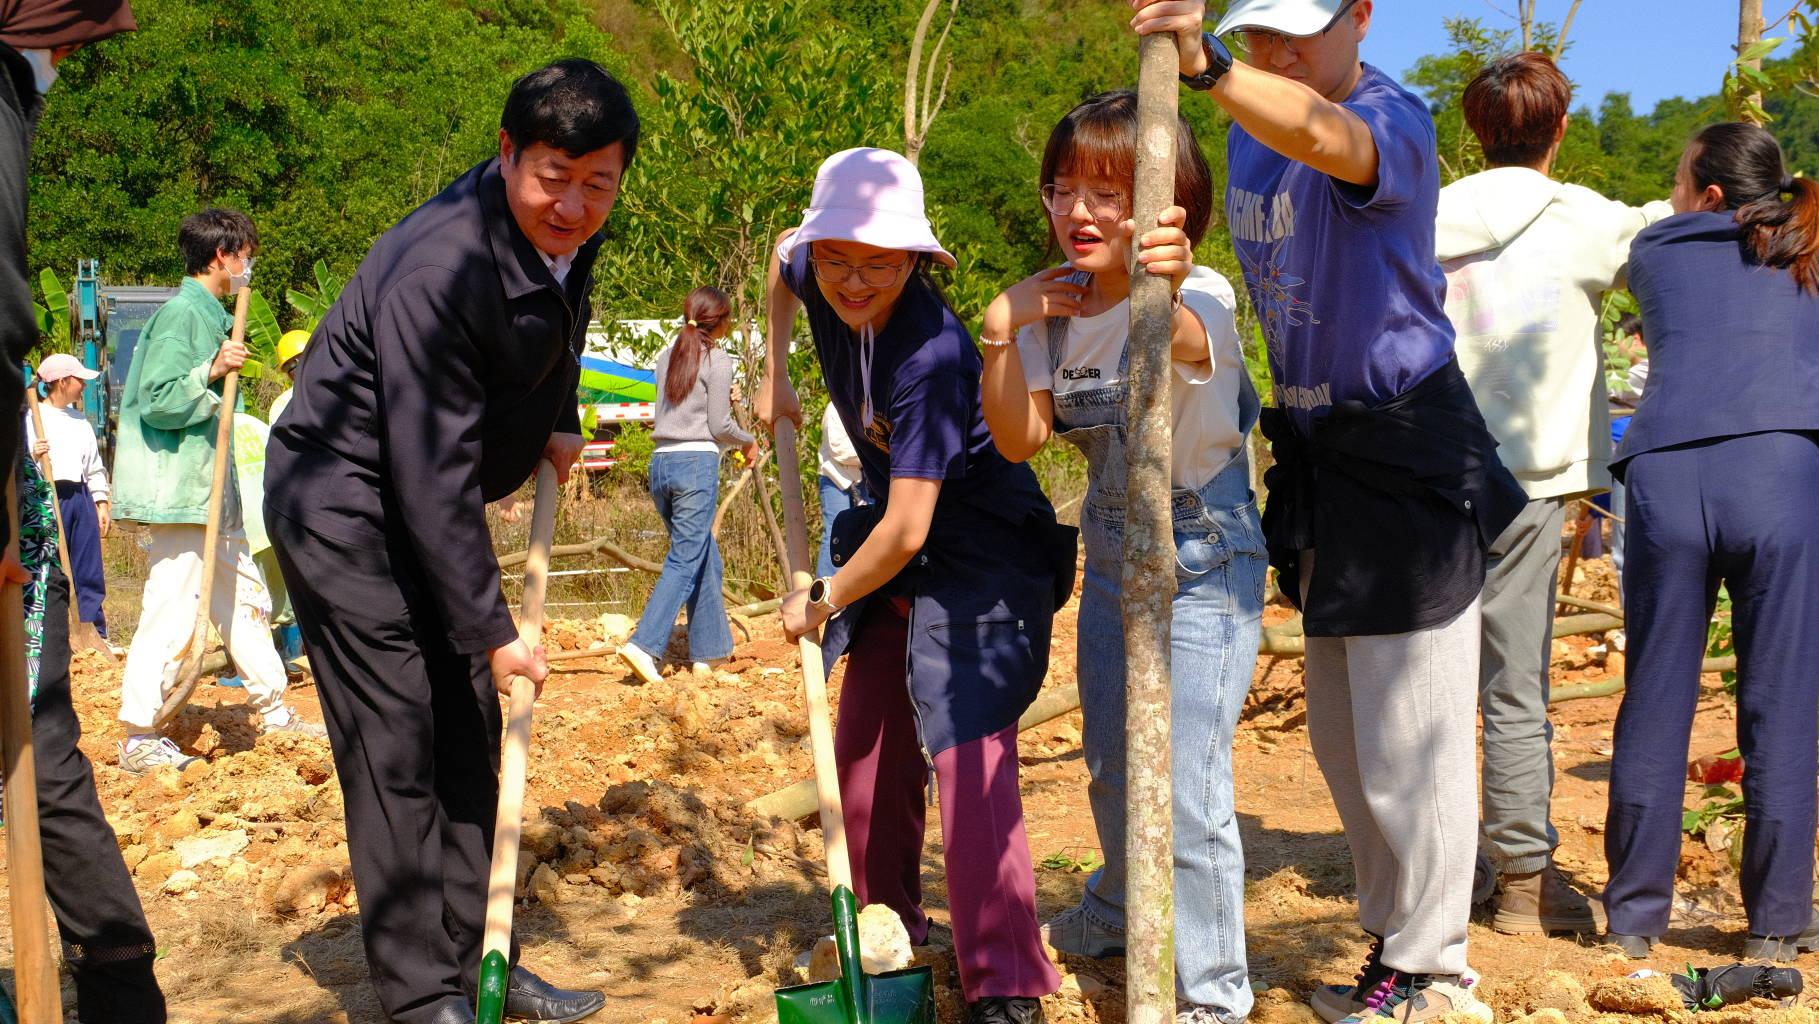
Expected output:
(1331, 201)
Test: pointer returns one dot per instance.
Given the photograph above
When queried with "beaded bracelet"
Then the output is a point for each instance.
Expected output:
(989, 343)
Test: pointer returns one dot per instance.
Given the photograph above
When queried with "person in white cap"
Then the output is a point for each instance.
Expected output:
(1331, 197)
(80, 477)
(946, 588)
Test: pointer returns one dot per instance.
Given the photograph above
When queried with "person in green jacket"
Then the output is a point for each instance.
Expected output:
(163, 474)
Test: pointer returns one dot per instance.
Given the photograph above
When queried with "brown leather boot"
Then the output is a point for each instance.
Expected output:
(1540, 902)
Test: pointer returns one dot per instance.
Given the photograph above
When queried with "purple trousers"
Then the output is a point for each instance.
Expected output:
(991, 886)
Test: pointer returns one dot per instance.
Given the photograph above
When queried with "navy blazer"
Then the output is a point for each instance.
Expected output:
(431, 389)
(1733, 346)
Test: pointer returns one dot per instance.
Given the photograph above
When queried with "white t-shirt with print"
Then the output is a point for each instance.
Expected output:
(1204, 398)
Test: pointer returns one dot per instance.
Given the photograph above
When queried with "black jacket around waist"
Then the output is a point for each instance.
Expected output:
(1400, 501)
(431, 389)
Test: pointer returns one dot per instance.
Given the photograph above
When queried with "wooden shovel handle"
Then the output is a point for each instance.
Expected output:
(814, 674)
(508, 825)
(34, 971)
(44, 467)
(191, 667)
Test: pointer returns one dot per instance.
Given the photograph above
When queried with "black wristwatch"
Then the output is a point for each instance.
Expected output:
(1218, 62)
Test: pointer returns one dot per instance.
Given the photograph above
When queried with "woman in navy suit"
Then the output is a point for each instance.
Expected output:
(1721, 466)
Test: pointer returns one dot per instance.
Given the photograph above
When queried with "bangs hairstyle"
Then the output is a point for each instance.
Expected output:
(1098, 139)
(1514, 106)
(203, 236)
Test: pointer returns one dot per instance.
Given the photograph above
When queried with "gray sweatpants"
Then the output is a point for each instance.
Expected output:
(1521, 574)
(1390, 719)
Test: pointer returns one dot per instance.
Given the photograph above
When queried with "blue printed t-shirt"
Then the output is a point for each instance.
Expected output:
(927, 421)
(1343, 277)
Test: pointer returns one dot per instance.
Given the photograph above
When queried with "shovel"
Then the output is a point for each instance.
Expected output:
(508, 825)
(897, 997)
(82, 635)
(34, 970)
(189, 670)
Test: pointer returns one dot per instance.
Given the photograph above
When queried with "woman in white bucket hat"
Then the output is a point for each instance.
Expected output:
(945, 588)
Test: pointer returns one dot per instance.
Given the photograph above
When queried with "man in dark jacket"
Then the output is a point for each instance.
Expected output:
(446, 369)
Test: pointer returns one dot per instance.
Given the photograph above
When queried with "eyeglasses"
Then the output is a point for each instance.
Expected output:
(1256, 40)
(1104, 204)
(872, 275)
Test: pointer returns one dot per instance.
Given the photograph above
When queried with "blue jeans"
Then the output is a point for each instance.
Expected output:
(1218, 622)
(684, 485)
(833, 502)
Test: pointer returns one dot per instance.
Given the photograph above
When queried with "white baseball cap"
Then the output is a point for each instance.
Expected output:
(1289, 17)
(61, 365)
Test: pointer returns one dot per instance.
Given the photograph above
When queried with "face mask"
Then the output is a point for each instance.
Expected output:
(44, 72)
(235, 282)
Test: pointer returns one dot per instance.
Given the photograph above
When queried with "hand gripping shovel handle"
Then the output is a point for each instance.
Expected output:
(814, 674)
(190, 669)
(34, 972)
(81, 634)
(508, 826)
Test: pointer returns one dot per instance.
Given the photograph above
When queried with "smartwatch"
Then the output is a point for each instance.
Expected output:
(1218, 62)
(818, 593)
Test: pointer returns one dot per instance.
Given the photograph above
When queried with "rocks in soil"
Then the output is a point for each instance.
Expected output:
(884, 945)
(208, 846)
(310, 888)
(1650, 996)
(1554, 990)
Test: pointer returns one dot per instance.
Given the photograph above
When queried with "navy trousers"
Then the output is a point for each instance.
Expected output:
(1743, 511)
(82, 528)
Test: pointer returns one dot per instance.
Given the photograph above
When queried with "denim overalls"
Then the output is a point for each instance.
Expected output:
(1218, 609)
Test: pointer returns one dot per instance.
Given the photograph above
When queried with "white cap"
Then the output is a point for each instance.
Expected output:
(59, 366)
(1289, 17)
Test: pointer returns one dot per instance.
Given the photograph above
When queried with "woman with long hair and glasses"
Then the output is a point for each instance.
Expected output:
(694, 423)
(1721, 466)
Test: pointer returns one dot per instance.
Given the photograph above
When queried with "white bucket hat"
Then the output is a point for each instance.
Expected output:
(1289, 17)
(873, 196)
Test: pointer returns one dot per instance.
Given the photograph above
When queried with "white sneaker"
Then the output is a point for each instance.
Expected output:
(643, 666)
(293, 722)
(140, 754)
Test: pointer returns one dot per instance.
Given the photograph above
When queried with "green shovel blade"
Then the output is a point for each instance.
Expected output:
(495, 974)
(899, 997)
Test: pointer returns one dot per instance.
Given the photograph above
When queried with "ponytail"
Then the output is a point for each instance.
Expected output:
(1778, 212)
(705, 310)
(1785, 233)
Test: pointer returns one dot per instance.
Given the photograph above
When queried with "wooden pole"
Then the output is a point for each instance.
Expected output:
(34, 970)
(1149, 566)
(82, 635)
(796, 567)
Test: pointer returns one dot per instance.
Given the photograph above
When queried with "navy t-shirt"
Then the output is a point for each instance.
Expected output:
(927, 422)
(1343, 277)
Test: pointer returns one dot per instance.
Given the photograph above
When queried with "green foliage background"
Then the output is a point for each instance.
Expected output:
(329, 121)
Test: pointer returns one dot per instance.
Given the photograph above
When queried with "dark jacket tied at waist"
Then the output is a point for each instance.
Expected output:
(1400, 500)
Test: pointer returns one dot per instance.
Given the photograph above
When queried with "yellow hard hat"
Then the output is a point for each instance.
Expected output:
(290, 346)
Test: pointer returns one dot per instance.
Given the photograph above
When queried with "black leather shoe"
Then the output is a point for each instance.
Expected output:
(530, 998)
(453, 1013)
(1004, 1010)
(1636, 947)
(1781, 948)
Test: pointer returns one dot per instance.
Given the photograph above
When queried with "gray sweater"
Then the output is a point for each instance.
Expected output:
(706, 413)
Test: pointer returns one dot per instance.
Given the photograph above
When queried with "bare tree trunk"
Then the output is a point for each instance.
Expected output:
(1525, 16)
(1149, 569)
(921, 102)
(1749, 33)
(1565, 27)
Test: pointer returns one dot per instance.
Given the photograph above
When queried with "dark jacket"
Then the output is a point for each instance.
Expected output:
(982, 594)
(34, 24)
(1733, 346)
(1400, 502)
(431, 389)
(19, 107)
